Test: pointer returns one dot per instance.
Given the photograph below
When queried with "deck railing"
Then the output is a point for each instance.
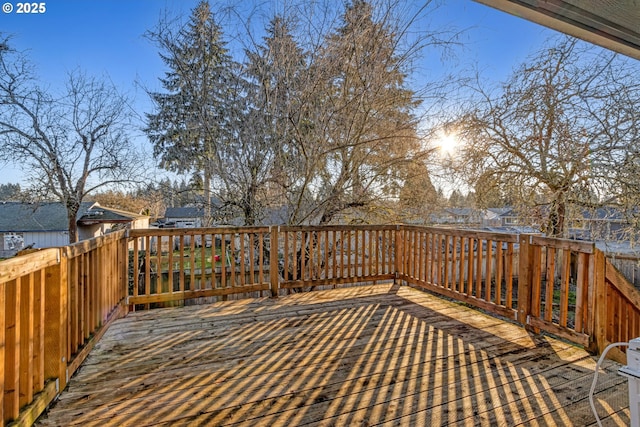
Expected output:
(477, 268)
(54, 306)
(56, 303)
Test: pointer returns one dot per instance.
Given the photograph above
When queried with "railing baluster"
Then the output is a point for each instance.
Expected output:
(325, 236)
(499, 266)
(550, 284)
(26, 339)
(509, 273)
(564, 287)
(445, 262)
(39, 315)
(203, 262)
(463, 269)
(243, 261)
(295, 256)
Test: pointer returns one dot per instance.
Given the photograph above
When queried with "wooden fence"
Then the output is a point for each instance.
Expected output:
(57, 303)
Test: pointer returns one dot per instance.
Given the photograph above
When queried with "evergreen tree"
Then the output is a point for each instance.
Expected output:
(186, 126)
(278, 69)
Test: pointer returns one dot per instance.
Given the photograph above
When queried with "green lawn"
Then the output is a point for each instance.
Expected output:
(195, 256)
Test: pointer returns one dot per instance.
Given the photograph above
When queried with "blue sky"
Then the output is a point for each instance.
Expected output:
(105, 37)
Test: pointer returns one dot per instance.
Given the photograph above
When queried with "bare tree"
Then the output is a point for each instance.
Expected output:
(70, 144)
(352, 130)
(559, 137)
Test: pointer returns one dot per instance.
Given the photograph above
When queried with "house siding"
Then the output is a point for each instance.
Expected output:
(39, 239)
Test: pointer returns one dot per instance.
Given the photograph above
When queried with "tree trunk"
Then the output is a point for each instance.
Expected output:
(73, 225)
(206, 193)
(557, 218)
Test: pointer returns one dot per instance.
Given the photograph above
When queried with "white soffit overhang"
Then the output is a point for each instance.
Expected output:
(608, 23)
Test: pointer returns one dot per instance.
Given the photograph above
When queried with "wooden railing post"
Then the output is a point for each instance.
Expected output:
(524, 279)
(55, 335)
(273, 261)
(123, 271)
(598, 306)
(398, 246)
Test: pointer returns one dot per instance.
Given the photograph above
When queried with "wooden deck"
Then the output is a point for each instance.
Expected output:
(353, 356)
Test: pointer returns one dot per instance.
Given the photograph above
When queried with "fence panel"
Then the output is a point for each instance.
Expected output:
(475, 267)
(560, 287)
(618, 310)
(23, 326)
(334, 255)
(174, 265)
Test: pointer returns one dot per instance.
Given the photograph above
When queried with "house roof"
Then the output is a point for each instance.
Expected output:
(605, 213)
(184, 212)
(44, 216)
(52, 216)
(500, 211)
(100, 214)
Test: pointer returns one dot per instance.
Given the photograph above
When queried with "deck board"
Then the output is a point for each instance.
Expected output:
(371, 355)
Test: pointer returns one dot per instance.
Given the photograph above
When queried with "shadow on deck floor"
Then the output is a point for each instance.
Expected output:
(371, 355)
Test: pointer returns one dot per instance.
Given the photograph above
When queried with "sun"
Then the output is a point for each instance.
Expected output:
(448, 143)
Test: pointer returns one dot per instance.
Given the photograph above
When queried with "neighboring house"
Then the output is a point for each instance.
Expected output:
(183, 217)
(608, 224)
(191, 216)
(510, 218)
(99, 220)
(44, 225)
(466, 216)
(496, 217)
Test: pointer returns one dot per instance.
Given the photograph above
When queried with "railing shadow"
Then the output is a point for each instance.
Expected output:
(394, 356)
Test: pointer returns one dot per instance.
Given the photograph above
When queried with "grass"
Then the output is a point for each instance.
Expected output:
(196, 256)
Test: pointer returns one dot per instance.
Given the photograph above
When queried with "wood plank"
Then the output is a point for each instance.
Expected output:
(27, 320)
(509, 278)
(461, 284)
(499, 274)
(19, 266)
(328, 282)
(550, 284)
(30, 413)
(223, 257)
(3, 350)
(12, 349)
(479, 252)
(39, 318)
(564, 244)
(470, 266)
(489, 271)
(565, 278)
(582, 287)
(56, 316)
(198, 293)
(617, 280)
(454, 264)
